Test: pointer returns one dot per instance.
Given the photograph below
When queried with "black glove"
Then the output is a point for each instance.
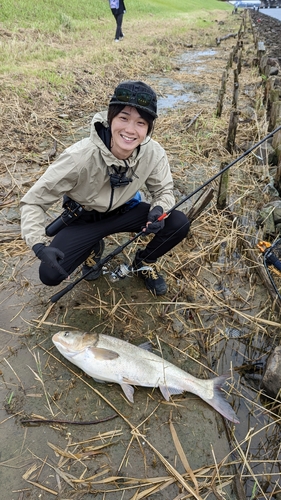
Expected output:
(153, 225)
(50, 256)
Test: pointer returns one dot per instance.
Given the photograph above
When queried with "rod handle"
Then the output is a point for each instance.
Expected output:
(60, 294)
(163, 216)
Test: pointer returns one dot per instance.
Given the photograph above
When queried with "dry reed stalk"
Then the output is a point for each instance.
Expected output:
(39, 377)
(99, 437)
(183, 457)
(45, 315)
(8, 418)
(17, 377)
(66, 477)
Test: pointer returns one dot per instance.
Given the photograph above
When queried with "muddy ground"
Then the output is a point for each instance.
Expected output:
(216, 316)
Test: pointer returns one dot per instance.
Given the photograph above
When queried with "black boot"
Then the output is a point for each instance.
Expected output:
(92, 260)
(148, 272)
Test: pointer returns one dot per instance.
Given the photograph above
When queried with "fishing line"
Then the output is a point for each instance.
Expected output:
(218, 174)
(119, 249)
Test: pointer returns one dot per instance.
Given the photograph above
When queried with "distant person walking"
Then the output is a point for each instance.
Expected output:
(118, 8)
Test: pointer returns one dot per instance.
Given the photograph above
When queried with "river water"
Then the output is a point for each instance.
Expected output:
(276, 13)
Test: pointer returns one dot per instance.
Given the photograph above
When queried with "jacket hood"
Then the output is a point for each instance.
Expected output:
(100, 117)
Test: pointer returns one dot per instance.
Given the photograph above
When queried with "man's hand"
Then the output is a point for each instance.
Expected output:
(50, 256)
(153, 225)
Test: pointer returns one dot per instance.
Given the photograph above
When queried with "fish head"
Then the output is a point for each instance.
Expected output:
(70, 343)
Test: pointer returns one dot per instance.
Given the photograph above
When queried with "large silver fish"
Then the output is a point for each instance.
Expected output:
(109, 359)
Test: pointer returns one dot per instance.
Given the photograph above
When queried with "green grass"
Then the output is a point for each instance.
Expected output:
(45, 42)
(52, 15)
(168, 7)
(49, 13)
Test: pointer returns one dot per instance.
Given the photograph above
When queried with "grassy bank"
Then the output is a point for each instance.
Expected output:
(53, 15)
(45, 44)
(59, 57)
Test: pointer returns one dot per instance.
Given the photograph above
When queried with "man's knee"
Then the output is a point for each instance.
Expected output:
(49, 276)
(180, 223)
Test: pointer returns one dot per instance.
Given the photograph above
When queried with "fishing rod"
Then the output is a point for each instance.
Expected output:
(97, 267)
(119, 249)
(246, 153)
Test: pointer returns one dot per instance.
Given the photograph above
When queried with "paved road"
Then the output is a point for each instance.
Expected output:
(276, 13)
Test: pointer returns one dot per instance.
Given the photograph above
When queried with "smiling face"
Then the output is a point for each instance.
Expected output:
(128, 131)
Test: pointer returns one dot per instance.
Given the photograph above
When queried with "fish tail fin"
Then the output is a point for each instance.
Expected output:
(218, 400)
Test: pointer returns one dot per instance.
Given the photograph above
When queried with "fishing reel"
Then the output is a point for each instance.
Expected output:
(124, 270)
(120, 273)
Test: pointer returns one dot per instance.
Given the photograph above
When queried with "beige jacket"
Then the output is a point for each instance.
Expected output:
(82, 173)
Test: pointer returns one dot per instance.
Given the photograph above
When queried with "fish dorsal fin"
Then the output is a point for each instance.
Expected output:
(103, 354)
(168, 391)
(128, 391)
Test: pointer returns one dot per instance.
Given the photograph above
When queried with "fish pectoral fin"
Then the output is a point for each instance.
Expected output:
(98, 380)
(103, 354)
(168, 391)
(146, 346)
(126, 380)
(128, 391)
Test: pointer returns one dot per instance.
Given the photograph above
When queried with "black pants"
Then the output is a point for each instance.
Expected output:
(119, 20)
(77, 240)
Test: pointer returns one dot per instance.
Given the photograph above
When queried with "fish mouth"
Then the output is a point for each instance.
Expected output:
(69, 350)
(56, 337)
(61, 339)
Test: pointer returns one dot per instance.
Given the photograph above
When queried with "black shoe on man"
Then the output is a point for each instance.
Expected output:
(92, 260)
(148, 272)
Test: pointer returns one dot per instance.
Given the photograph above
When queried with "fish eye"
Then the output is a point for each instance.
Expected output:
(66, 334)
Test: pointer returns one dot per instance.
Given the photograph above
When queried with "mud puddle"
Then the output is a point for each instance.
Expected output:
(196, 61)
(175, 93)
